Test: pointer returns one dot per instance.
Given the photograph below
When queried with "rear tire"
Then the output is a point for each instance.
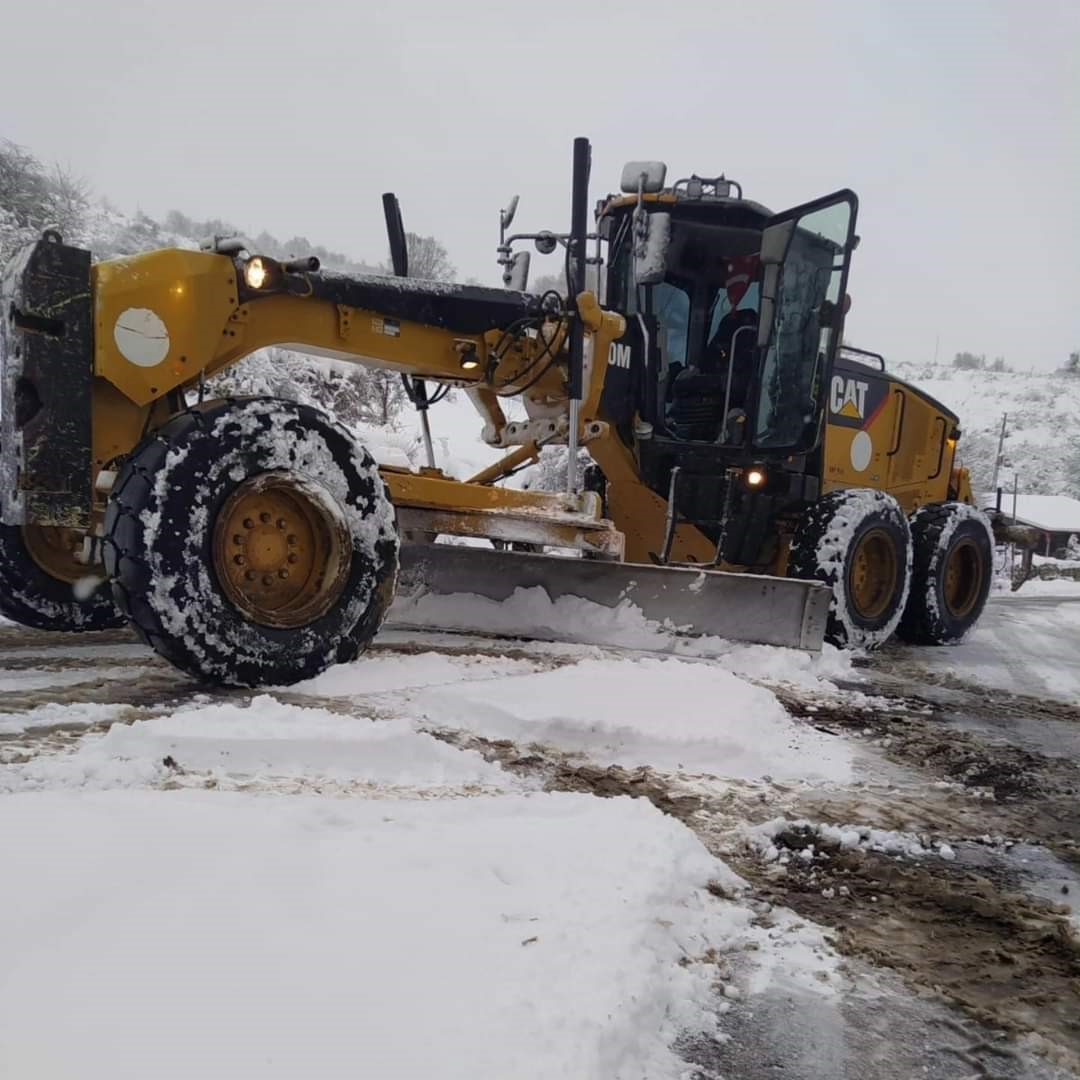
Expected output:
(951, 575)
(79, 601)
(858, 543)
(252, 542)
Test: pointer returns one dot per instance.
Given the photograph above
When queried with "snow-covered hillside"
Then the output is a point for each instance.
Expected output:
(1042, 446)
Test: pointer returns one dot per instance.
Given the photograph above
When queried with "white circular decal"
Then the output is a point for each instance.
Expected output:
(862, 450)
(141, 337)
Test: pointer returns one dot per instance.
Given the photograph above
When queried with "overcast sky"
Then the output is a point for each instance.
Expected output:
(955, 122)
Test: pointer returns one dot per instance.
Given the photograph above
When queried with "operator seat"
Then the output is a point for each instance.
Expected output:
(696, 409)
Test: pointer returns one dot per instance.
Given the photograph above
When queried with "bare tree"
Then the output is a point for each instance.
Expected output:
(428, 259)
(69, 198)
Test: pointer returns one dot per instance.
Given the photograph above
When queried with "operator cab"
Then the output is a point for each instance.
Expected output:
(699, 311)
(733, 315)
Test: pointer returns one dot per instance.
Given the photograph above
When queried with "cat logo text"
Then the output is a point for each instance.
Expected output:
(847, 397)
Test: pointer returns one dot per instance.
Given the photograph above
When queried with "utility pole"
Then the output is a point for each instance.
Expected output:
(1000, 453)
(937, 342)
(1012, 547)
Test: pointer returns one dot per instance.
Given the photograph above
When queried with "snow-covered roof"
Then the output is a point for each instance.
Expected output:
(1054, 513)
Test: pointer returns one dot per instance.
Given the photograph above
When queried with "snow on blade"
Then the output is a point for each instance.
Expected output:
(207, 933)
(530, 613)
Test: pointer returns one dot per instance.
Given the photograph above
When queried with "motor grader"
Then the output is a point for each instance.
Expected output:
(749, 477)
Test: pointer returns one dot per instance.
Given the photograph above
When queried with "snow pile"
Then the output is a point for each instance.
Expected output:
(771, 840)
(265, 739)
(55, 715)
(669, 714)
(214, 934)
(378, 673)
(270, 737)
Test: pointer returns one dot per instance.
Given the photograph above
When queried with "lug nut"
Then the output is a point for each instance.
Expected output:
(283, 573)
(250, 575)
(239, 560)
(237, 538)
(281, 523)
(267, 580)
(293, 557)
(291, 539)
(248, 523)
(264, 517)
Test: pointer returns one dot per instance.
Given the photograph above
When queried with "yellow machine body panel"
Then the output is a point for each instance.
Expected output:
(158, 318)
(882, 433)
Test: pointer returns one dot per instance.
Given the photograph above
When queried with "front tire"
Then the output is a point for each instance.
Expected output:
(252, 542)
(952, 574)
(858, 543)
(43, 586)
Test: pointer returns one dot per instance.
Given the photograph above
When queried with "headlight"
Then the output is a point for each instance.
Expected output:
(261, 273)
(755, 478)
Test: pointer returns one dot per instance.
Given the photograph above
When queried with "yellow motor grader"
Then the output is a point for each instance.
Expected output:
(749, 478)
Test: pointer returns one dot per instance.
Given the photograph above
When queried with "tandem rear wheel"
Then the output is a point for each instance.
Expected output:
(252, 542)
(857, 542)
(46, 585)
(951, 576)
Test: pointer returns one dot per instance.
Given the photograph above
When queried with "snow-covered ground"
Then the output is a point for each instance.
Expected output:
(218, 934)
(401, 868)
(311, 882)
(1026, 643)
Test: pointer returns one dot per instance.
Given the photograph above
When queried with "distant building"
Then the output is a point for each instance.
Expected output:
(1056, 517)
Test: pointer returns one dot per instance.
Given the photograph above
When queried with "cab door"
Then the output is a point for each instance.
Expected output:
(805, 255)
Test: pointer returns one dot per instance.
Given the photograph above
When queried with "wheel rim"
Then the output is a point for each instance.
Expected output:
(963, 578)
(280, 552)
(56, 550)
(873, 574)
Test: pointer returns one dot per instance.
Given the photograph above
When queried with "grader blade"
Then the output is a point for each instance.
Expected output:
(616, 604)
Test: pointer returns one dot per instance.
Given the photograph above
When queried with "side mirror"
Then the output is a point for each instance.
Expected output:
(652, 237)
(507, 216)
(516, 275)
(643, 176)
(546, 242)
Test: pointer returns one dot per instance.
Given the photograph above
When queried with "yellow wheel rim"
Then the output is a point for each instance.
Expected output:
(56, 551)
(963, 578)
(280, 553)
(873, 574)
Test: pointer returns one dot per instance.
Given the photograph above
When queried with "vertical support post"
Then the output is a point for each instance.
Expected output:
(576, 255)
(399, 256)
